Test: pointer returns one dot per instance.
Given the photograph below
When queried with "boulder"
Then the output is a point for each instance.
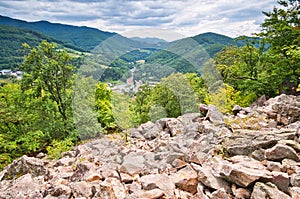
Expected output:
(149, 130)
(280, 152)
(214, 115)
(23, 165)
(268, 190)
(186, 179)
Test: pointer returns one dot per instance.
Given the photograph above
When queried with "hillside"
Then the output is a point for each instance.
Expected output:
(12, 38)
(83, 37)
(116, 53)
(251, 156)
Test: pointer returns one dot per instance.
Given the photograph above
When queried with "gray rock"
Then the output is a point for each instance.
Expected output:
(81, 189)
(214, 115)
(280, 152)
(23, 165)
(149, 130)
(269, 190)
(175, 127)
(206, 177)
(112, 188)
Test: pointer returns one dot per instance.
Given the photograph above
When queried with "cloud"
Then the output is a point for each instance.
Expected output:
(188, 17)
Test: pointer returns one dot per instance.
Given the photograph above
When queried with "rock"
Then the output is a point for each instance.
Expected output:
(62, 191)
(203, 108)
(220, 194)
(94, 177)
(206, 177)
(149, 130)
(287, 108)
(25, 186)
(81, 189)
(295, 180)
(214, 115)
(131, 168)
(153, 181)
(150, 194)
(112, 188)
(242, 174)
(295, 192)
(23, 165)
(280, 152)
(186, 179)
(274, 166)
(268, 190)
(236, 109)
(175, 127)
(240, 193)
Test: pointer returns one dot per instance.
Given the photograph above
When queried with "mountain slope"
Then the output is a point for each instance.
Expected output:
(12, 38)
(83, 37)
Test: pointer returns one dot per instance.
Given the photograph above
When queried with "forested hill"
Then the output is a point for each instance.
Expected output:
(84, 37)
(12, 38)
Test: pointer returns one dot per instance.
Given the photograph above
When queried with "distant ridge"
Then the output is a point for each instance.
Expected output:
(84, 37)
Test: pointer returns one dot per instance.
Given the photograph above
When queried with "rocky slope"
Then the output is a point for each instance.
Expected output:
(252, 154)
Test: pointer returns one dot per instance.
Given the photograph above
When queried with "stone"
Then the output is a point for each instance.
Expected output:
(214, 115)
(186, 179)
(203, 108)
(175, 127)
(295, 180)
(94, 177)
(295, 192)
(131, 168)
(24, 165)
(267, 190)
(25, 187)
(65, 161)
(242, 174)
(274, 166)
(240, 193)
(206, 177)
(113, 188)
(126, 178)
(220, 194)
(149, 130)
(236, 109)
(160, 181)
(280, 152)
(81, 189)
(60, 190)
(149, 194)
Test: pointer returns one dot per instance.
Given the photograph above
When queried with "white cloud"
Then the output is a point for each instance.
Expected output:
(189, 17)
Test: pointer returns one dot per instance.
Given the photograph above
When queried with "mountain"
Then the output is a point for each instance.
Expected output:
(110, 51)
(151, 40)
(84, 37)
(12, 38)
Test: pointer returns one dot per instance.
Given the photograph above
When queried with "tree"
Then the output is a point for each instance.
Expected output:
(104, 107)
(50, 75)
(281, 30)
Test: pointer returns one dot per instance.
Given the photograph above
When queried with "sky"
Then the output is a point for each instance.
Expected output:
(167, 19)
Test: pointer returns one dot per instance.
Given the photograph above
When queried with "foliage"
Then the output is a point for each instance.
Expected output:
(37, 109)
(281, 30)
(12, 39)
(84, 110)
(103, 97)
(172, 97)
(50, 75)
(58, 146)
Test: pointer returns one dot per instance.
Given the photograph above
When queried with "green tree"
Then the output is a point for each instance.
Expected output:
(281, 30)
(50, 75)
(141, 105)
(103, 97)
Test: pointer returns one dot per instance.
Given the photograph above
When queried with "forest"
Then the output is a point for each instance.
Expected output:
(54, 103)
